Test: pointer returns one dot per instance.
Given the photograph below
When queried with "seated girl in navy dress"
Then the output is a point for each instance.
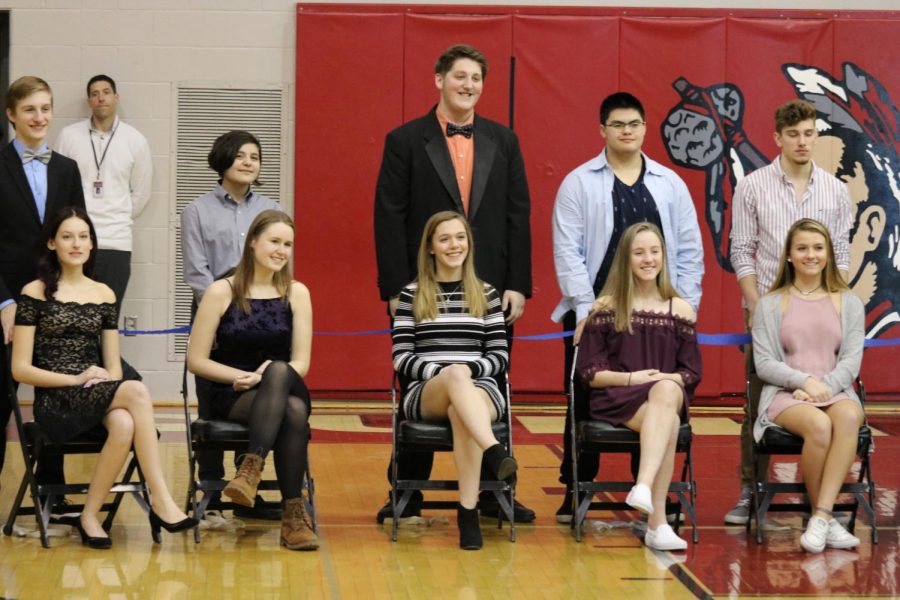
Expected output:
(251, 338)
(449, 340)
(639, 353)
(65, 329)
(808, 335)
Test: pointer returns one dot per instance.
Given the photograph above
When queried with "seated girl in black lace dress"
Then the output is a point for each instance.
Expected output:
(65, 329)
(251, 338)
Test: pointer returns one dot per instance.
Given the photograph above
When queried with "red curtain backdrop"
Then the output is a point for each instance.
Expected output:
(363, 70)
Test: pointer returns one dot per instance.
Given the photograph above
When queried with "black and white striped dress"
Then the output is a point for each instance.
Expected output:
(421, 350)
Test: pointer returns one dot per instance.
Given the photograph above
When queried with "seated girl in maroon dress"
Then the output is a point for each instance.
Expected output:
(808, 335)
(639, 354)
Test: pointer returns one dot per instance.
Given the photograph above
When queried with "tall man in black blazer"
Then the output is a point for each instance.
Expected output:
(453, 159)
(34, 184)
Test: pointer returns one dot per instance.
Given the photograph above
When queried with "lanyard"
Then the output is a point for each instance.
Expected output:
(105, 150)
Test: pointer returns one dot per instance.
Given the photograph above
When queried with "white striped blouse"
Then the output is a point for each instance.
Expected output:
(765, 207)
(421, 350)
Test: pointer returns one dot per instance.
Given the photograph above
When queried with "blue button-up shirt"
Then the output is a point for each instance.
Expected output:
(36, 173)
(213, 230)
(583, 224)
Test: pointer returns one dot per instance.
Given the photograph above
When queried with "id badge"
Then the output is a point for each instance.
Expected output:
(98, 189)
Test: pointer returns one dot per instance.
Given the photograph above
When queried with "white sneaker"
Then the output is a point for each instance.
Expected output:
(813, 539)
(639, 498)
(838, 537)
(664, 538)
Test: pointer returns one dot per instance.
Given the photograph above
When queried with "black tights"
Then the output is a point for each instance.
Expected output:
(277, 413)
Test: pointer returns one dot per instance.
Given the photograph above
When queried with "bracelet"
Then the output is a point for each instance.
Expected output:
(629, 380)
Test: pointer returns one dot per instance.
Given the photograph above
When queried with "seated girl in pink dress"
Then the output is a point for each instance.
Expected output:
(808, 335)
(639, 353)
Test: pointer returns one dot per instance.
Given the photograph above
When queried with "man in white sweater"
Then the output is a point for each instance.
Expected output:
(116, 173)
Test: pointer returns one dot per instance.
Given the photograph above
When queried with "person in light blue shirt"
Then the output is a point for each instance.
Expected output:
(596, 202)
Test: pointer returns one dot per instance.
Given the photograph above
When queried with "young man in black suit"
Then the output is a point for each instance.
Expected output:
(453, 159)
(35, 183)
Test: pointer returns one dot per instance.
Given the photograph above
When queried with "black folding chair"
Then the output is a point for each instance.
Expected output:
(216, 434)
(598, 436)
(34, 442)
(778, 441)
(421, 436)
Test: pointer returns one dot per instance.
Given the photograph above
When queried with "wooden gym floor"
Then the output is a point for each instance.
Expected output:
(349, 453)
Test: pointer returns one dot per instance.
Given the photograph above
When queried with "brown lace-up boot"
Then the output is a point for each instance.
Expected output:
(296, 526)
(242, 489)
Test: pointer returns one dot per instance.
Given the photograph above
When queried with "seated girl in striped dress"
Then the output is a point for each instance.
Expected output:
(449, 340)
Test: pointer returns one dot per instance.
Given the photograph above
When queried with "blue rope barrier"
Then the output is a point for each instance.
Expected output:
(704, 339)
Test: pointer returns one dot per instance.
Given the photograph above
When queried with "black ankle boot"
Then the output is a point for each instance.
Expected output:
(469, 529)
(501, 464)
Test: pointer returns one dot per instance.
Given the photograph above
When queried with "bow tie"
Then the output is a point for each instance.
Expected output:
(41, 155)
(464, 130)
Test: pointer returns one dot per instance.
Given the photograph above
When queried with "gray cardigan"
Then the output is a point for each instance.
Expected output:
(771, 364)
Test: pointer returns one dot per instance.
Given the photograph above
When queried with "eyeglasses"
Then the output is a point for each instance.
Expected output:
(619, 125)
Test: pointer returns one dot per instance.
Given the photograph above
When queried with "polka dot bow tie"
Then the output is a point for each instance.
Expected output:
(464, 130)
(41, 155)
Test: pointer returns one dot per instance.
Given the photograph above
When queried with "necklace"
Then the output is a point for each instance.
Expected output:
(445, 296)
(806, 293)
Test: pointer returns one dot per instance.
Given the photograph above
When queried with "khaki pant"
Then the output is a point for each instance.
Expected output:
(753, 394)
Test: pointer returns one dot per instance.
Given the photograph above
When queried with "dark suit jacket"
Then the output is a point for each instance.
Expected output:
(21, 237)
(417, 180)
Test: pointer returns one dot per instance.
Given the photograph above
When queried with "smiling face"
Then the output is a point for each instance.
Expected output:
(245, 169)
(272, 248)
(460, 89)
(72, 242)
(809, 255)
(797, 142)
(646, 257)
(624, 131)
(450, 246)
(31, 118)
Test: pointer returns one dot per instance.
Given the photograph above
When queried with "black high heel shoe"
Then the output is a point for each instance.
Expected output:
(501, 464)
(156, 523)
(95, 543)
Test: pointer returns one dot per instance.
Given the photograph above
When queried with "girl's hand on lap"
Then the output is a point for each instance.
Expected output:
(246, 381)
(817, 391)
(93, 374)
(801, 395)
(646, 376)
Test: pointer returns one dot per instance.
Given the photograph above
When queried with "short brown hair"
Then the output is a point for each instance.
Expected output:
(452, 54)
(793, 112)
(23, 87)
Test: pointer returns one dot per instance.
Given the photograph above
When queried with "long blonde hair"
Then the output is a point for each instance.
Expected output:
(619, 285)
(425, 301)
(831, 279)
(243, 273)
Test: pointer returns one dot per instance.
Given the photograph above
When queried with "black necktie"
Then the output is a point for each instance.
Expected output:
(464, 130)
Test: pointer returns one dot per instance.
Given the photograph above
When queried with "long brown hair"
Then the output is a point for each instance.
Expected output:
(243, 273)
(425, 301)
(48, 267)
(831, 279)
(620, 282)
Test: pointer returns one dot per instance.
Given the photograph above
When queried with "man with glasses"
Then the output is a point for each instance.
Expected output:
(594, 205)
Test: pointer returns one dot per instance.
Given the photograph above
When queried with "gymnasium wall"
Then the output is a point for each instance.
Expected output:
(710, 81)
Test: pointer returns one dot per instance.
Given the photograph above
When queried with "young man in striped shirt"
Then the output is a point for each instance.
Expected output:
(766, 203)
